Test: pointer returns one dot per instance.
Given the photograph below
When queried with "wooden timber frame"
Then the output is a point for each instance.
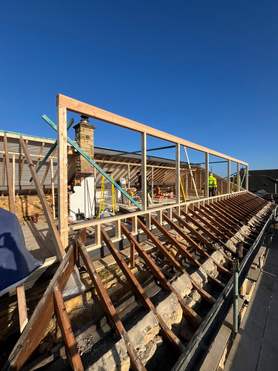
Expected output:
(245, 204)
(65, 104)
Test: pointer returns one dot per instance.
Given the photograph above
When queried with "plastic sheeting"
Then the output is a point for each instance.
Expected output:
(16, 262)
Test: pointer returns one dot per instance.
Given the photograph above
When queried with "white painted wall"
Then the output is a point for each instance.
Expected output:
(82, 200)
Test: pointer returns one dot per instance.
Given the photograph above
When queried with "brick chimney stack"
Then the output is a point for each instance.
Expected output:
(84, 136)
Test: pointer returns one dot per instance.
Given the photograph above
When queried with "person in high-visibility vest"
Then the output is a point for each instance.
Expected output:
(212, 185)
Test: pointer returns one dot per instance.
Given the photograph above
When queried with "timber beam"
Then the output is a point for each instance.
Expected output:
(167, 334)
(188, 312)
(182, 251)
(206, 296)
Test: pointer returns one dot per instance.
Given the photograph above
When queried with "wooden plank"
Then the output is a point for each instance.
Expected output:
(47, 212)
(62, 175)
(38, 323)
(174, 242)
(206, 296)
(9, 178)
(188, 312)
(196, 247)
(190, 169)
(177, 173)
(38, 160)
(201, 238)
(93, 163)
(76, 106)
(22, 165)
(109, 308)
(52, 190)
(220, 219)
(184, 252)
(142, 296)
(144, 170)
(66, 330)
(20, 291)
(205, 213)
(13, 176)
(207, 223)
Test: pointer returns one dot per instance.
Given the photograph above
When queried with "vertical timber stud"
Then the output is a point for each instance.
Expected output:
(207, 175)
(247, 179)
(178, 177)
(229, 176)
(52, 188)
(63, 174)
(20, 291)
(128, 180)
(144, 170)
(237, 178)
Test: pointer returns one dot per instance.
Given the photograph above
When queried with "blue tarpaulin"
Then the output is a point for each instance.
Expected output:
(16, 262)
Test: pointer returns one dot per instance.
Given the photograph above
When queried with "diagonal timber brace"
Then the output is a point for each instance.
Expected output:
(38, 323)
(94, 164)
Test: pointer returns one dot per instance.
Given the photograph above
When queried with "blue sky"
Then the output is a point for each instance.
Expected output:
(205, 71)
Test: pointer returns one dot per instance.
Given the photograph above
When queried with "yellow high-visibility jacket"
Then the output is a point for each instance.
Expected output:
(212, 182)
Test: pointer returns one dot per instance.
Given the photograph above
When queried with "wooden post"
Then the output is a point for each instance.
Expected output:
(190, 169)
(13, 177)
(21, 299)
(66, 330)
(62, 175)
(46, 209)
(128, 180)
(144, 170)
(178, 171)
(228, 176)
(247, 178)
(207, 176)
(152, 186)
(52, 189)
(238, 178)
(132, 255)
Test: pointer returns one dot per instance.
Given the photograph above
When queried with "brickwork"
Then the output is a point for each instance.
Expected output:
(84, 136)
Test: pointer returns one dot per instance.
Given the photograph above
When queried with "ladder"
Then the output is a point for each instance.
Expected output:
(102, 207)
